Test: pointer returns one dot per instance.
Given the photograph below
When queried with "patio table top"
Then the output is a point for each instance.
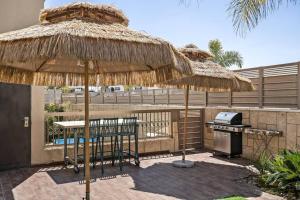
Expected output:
(81, 123)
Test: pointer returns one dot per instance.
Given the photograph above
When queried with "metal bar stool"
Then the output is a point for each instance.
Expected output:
(108, 129)
(129, 129)
(94, 130)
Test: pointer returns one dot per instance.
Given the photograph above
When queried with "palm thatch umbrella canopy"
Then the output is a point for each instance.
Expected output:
(72, 34)
(209, 76)
(87, 44)
(206, 76)
(194, 53)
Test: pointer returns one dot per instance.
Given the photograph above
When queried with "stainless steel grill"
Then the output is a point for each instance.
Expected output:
(228, 130)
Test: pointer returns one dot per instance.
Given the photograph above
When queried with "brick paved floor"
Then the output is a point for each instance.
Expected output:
(156, 178)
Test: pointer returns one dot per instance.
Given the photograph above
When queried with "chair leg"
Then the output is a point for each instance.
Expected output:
(112, 151)
(96, 150)
(78, 141)
(93, 153)
(121, 154)
(102, 155)
(136, 151)
(84, 157)
(129, 149)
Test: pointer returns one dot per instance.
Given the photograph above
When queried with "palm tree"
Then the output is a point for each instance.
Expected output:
(224, 58)
(246, 14)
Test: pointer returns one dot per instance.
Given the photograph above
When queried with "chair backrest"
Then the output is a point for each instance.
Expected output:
(95, 125)
(109, 127)
(128, 126)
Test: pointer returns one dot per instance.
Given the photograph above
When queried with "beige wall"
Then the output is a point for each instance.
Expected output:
(287, 121)
(16, 14)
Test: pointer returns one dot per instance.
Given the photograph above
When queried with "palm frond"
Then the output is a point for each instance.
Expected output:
(246, 14)
(233, 58)
(215, 47)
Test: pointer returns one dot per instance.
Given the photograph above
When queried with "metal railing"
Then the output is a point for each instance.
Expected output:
(153, 123)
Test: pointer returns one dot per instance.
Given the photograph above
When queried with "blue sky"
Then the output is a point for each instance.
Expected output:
(276, 40)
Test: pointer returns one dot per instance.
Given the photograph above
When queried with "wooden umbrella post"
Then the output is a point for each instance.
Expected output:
(185, 120)
(87, 130)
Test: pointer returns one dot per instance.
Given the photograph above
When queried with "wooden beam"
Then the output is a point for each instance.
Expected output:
(229, 99)
(261, 88)
(87, 131)
(185, 119)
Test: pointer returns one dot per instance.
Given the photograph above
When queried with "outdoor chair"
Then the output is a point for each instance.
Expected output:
(128, 129)
(108, 129)
(94, 131)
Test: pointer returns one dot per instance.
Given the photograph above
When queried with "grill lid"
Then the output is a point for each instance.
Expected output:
(231, 118)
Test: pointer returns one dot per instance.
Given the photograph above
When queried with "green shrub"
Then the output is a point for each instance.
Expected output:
(54, 108)
(282, 172)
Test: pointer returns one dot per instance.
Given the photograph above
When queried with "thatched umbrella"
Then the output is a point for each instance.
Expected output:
(194, 53)
(86, 44)
(206, 76)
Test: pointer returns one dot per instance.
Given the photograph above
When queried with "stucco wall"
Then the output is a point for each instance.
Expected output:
(287, 121)
(16, 14)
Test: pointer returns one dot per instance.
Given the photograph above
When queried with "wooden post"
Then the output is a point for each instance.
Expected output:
(142, 100)
(205, 98)
(168, 95)
(153, 91)
(261, 88)
(116, 97)
(87, 130)
(103, 97)
(129, 97)
(185, 120)
(298, 86)
(54, 91)
(76, 101)
(229, 99)
(61, 97)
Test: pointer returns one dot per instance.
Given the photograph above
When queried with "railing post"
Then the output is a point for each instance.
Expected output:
(61, 97)
(298, 86)
(54, 93)
(153, 93)
(142, 100)
(76, 101)
(116, 97)
(129, 97)
(205, 98)
(103, 100)
(229, 99)
(261, 88)
(168, 95)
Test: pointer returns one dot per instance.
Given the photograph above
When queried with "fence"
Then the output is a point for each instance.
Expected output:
(154, 97)
(276, 86)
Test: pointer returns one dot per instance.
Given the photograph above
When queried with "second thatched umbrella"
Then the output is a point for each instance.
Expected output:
(206, 76)
(82, 44)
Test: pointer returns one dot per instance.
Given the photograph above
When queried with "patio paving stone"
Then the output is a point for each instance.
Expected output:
(156, 178)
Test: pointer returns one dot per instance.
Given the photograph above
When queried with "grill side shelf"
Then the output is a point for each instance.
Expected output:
(255, 131)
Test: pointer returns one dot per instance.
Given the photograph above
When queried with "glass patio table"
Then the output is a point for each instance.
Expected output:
(75, 127)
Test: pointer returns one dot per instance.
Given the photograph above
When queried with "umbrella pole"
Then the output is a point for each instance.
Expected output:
(87, 130)
(184, 163)
(185, 120)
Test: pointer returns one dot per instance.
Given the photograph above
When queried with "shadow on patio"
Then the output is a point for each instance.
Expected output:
(211, 178)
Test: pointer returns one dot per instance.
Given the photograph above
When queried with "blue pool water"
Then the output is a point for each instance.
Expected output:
(69, 141)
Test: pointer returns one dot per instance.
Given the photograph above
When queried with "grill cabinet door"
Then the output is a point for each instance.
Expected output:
(222, 141)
